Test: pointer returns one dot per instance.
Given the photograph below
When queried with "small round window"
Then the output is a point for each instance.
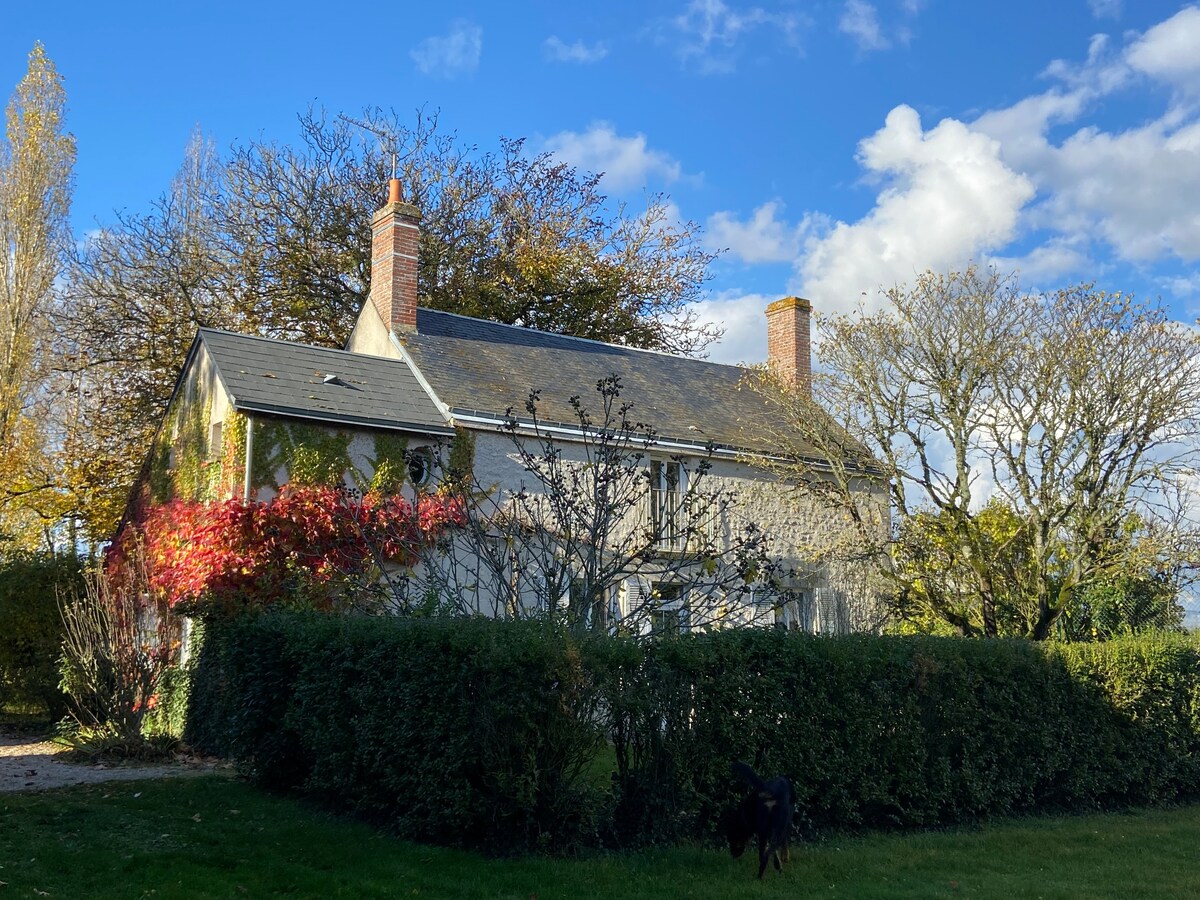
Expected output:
(420, 467)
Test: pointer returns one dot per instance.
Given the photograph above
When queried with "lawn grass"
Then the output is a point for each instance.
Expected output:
(217, 837)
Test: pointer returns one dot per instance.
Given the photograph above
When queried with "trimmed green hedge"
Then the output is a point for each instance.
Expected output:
(31, 630)
(455, 732)
(492, 734)
(902, 731)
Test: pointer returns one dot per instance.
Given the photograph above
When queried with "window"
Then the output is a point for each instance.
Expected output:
(763, 604)
(788, 615)
(669, 613)
(784, 609)
(420, 466)
(667, 479)
(832, 613)
(215, 438)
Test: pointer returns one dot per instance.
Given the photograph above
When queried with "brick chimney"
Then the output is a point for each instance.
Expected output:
(395, 238)
(788, 349)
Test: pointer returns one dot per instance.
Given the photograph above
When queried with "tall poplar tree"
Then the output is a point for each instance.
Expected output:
(36, 160)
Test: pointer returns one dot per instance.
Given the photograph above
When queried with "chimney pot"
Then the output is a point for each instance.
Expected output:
(789, 353)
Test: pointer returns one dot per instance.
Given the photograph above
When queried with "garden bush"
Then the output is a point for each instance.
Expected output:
(31, 629)
(473, 733)
(490, 734)
(900, 731)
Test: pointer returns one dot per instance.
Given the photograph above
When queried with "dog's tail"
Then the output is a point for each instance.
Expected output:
(749, 776)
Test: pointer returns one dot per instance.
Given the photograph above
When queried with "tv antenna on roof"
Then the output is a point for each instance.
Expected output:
(387, 139)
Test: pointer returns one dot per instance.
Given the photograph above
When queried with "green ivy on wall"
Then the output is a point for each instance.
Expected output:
(314, 454)
(389, 465)
(460, 467)
(310, 454)
(181, 465)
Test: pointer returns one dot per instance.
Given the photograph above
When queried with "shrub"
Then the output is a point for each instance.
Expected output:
(482, 732)
(118, 642)
(901, 731)
(472, 732)
(31, 630)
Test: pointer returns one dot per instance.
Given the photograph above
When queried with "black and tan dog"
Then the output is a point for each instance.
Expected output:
(765, 813)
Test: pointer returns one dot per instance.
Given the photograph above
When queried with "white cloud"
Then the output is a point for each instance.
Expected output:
(1136, 189)
(763, 238)
(1078, 197)
(1170, 51)
(1133, 190)
(1103, 72)
(860, 20)
(626, 162)
(1021, 128)
(707, 32)
(456, 53)
(1184, 286)
(1048, 263)
(947, 197)
(744, 321)
(558, 50)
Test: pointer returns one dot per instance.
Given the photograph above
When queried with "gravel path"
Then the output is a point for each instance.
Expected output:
(29, 764)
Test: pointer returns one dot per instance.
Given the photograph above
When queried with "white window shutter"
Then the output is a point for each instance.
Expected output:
(636, 594)
(827, 612)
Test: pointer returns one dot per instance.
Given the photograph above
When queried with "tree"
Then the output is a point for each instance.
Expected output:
(36, 159)
(1078, 408)
(939, 586)
(1142, 595)
(276, 240)
(508, 236)
(138, 292)
(1095, 422)
(593, 514)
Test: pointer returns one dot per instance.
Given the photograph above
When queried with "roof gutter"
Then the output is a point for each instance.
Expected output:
(573, 432)
(289, 413)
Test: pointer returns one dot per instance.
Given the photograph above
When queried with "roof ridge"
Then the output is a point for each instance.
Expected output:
(572, 337)
(271, 340)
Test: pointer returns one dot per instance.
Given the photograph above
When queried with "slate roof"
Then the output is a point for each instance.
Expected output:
(480, 367)
(282, 378)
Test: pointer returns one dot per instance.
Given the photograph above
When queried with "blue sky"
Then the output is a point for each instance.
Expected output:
(831, 147)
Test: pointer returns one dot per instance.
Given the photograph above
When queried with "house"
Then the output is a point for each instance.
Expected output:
(430, 394)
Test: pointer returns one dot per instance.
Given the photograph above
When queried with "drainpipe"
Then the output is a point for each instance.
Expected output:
(249, 458)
